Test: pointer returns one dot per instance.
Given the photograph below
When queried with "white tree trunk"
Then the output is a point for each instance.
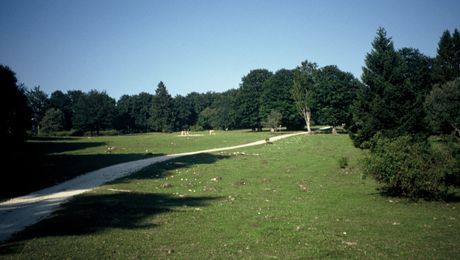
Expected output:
(307, 116)
(334, 130)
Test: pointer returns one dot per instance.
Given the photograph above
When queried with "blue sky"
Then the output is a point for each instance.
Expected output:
(126, 47)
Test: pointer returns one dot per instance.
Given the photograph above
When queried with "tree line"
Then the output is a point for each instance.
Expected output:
(394, 97)
(261, 94)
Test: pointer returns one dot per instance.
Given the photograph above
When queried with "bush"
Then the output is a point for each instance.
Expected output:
(410, 167)
(343, 162)
(449, 147)
(53, 121)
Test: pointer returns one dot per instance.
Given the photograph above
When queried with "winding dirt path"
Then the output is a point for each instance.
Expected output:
(18, 213)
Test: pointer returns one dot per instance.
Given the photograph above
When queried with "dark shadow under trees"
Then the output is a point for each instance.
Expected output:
(40, 163)
(93, 213)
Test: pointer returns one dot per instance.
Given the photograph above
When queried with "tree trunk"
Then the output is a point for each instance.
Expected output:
(307, 120)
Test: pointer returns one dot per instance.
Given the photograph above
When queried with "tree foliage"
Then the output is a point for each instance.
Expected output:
(333, 95)
(446, 65)
(391, 99)
(443, 108)
(94, 111)
(410, 167)
(13, 108)
(249, 98)
(38, 102)
(162, 113)
(273, 120)
(62, 102)
(53, 121)
(302, 90)
(276, 95)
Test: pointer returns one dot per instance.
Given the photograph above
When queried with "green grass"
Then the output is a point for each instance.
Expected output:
(46, 161)
(287, 200)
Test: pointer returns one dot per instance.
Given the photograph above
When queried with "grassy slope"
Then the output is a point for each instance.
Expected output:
(53, 160)
(251, 205)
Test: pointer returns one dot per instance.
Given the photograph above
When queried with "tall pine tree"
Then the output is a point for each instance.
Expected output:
(444, 64)
(162, 111)
(390, 100)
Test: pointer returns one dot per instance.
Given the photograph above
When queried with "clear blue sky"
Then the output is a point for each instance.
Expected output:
(126, 47)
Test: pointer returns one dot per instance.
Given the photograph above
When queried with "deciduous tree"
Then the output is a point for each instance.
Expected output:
(334, 93)
(302, 90)
(94, 111)
(249, 98)
(443, 107)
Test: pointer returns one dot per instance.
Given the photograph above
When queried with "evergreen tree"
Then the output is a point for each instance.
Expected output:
(456, 43)
(382, 103)
(446, 65)
(162, 110)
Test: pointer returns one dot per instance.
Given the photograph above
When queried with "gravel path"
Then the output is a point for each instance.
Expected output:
(18, 213)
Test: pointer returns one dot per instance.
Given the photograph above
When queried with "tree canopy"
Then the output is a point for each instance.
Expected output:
(13, 108)
(393, 94)
(162, 113)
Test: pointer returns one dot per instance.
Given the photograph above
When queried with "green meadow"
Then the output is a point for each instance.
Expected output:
(295, 198)
(51, 160)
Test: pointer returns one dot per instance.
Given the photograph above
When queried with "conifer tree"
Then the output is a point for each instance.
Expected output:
(444, 64)
(385, 102)
(162, 112)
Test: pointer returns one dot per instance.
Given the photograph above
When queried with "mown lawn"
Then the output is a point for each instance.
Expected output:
(45, 161)
(286, 200)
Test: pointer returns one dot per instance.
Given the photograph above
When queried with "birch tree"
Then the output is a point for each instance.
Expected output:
(302, 90)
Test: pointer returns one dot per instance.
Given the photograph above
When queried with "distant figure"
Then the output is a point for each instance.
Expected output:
(272, 130)
(211, 132)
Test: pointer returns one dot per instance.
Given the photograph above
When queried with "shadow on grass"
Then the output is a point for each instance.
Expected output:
(94, 213)
(113, 209)
(41, 163)
(43, 171)
(56, 145)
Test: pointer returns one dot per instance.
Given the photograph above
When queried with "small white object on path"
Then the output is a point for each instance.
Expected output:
(18, 213)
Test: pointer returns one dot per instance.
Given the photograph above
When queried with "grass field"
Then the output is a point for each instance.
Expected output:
(46, 161)
(286, 200)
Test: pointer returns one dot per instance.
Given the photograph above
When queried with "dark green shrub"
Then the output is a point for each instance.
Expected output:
(409, 167)
(343, 162)
(449, 147)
